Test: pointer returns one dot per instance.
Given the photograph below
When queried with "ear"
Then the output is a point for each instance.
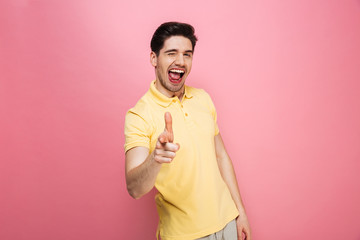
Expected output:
(153, 59)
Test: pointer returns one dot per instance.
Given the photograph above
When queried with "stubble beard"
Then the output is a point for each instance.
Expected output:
(169, 87)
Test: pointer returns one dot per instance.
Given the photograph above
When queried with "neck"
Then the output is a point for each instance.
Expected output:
(179, 94)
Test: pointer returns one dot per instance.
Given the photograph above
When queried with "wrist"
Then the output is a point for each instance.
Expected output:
(241, 212)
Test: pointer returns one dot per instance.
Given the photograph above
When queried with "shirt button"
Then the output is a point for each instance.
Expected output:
(174, 100)
(182, 105)
(186, 114)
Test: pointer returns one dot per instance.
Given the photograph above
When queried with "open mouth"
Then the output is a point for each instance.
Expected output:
(175, 75)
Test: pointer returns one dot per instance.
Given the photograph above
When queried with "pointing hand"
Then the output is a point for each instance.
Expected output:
(165, 150)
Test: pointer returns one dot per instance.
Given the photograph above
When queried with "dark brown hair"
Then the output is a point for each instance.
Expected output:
(169, 29)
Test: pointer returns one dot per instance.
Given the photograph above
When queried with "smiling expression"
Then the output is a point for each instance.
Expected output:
(173, 65)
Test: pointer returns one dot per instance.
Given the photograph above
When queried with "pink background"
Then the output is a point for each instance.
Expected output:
(284, 76)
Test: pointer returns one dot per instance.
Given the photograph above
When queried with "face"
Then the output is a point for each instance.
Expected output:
(173, 65)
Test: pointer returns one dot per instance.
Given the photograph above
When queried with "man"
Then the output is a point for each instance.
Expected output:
(173, 143)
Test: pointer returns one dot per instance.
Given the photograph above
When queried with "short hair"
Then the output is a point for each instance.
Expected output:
(169, 29)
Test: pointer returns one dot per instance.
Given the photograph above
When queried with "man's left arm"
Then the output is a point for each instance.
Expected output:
(228, 174)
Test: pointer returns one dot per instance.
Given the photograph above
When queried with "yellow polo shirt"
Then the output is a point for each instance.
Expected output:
(192, 200)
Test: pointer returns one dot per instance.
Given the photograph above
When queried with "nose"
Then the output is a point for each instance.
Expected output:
(180, 60)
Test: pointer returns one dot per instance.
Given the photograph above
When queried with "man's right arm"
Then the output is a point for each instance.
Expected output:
(141, 171)
(142, 168)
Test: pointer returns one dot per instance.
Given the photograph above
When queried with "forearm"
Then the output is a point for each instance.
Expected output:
(229, 176)
(227, 172)
(141, 179)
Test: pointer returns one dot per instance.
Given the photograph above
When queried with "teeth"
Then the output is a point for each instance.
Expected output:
(176, 70)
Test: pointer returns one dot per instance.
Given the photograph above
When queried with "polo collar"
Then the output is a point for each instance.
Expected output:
(163, 100)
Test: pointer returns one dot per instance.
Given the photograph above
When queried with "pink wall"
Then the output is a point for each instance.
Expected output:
(284, 76)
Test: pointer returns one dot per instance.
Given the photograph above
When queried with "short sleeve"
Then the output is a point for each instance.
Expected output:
(213, 112)
(137, 131)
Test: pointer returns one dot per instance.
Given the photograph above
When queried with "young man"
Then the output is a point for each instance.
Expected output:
(173, 143)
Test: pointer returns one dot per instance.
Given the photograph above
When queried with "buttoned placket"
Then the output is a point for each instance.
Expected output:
(182, 108)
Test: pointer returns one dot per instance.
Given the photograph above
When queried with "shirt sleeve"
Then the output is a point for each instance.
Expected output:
(137, 131)
(213, 113)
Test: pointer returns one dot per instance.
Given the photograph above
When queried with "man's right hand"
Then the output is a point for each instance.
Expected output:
(165, 150)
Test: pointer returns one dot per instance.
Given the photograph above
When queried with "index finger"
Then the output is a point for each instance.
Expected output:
(168, 122)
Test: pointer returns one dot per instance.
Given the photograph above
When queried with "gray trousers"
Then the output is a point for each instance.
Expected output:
(229, 232)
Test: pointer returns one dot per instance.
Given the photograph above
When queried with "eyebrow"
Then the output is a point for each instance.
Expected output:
(176, 50)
